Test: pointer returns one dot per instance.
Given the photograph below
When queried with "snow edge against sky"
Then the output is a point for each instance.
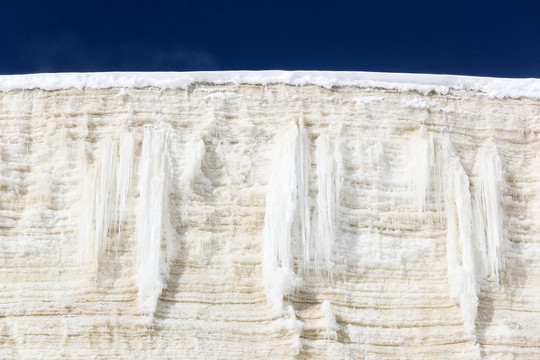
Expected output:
(423, 83)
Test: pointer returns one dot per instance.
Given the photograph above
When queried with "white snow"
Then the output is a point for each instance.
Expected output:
(423, 83)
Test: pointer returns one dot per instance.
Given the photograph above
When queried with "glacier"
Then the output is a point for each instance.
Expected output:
(269, 215)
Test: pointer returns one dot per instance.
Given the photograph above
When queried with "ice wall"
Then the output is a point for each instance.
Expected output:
(268, 221)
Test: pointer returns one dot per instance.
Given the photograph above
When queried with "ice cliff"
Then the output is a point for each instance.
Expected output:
(269, 215)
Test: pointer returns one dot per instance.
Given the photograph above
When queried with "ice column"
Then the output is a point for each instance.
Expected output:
(104, 188)
(329, 181)
(304, 215)
(288, 239)
(97, 211)
(86, 217)
(474, 235)
(123, 178)
(421, 161)
(459, 243)
(153, 220)
(489, 208)
(281, 206)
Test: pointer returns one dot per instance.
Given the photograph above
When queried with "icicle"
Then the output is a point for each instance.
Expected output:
(329, 175)
(421, 160)
(123, 179)
(460, 252)
(86, 223)
(106, 172)
(153, 217)
(490, 173)
(281, 207)
(302, 168)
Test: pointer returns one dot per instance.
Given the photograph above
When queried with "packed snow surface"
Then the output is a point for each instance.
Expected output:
(424, 83)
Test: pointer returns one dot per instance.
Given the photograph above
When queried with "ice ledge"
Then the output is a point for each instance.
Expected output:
(424, 83)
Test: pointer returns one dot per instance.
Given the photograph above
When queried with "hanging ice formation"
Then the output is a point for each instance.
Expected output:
(459, 242)
(473, 225)
(421, 160)
(329, 181)
(489, 209)
(282, 202)
(153, 222)
(105, 186)
(105, 190)
(289, 242)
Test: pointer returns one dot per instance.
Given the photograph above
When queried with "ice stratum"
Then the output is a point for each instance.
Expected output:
(269, 215)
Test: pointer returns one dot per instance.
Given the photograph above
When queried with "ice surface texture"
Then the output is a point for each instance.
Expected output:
(268, 221)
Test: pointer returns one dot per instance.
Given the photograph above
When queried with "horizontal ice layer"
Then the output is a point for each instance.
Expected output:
(423, 83)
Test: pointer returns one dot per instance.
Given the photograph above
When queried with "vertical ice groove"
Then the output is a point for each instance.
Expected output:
(460, 251)
(281, 206)
(491, 179)
(421, 161)
(154, 189)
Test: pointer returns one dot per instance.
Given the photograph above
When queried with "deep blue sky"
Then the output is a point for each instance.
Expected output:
(486, 38)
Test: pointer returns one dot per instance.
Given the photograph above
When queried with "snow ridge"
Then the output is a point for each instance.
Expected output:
(423, 83)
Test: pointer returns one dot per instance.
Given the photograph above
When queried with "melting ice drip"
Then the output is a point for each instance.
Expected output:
(288, 236)
(105, 188)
